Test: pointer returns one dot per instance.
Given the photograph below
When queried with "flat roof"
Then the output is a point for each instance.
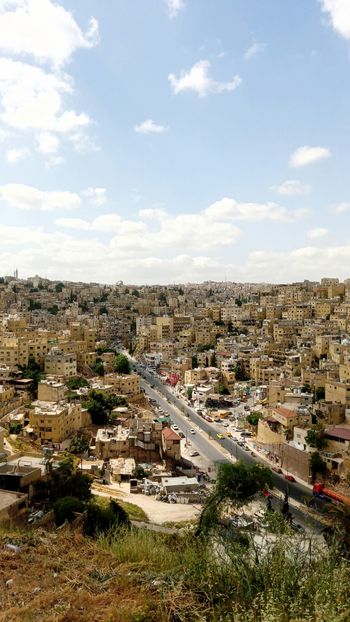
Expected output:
(8, 498)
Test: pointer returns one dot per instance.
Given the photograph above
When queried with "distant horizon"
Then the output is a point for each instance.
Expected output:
(173, 284)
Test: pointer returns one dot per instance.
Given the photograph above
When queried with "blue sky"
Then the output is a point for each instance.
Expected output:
(160, 141)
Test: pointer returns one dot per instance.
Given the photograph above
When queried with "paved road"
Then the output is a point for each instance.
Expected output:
(206, 447)
(295, 490)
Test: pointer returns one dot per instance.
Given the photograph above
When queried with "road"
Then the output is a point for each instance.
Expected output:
(203, 444)
(295, 490)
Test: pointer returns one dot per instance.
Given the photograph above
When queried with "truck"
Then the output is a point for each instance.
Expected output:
(320, 490)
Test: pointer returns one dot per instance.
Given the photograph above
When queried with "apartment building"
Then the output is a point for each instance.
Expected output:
(59, 364)
(53, 423)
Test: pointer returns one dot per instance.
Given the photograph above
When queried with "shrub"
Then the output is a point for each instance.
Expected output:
(101, 519)
(66, 509)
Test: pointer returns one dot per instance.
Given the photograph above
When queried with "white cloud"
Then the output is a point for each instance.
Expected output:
(197, 79)
(61, 256)
(17, 154)
(291, 188)
(149, 127)
(153, 213)
(229, 209)
(319, 232)
(96, 196)
(310, 262)
(341, 208)
(339, 13)
(34, 99)
(43, 30)
(174, 7)
(308, 155)
(20, 196)
(41, 36)
(47, 143)
(254, 49)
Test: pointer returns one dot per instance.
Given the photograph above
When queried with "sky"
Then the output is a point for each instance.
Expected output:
(174, 141)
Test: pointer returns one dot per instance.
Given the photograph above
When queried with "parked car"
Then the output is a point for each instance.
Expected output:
(289, 477)
(229, 434)
(192, 431)
(194, 453)
(277, 469)
(220, 436)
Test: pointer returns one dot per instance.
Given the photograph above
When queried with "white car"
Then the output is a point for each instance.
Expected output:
(192, 431)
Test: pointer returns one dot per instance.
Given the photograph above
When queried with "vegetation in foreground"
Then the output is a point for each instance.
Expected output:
(202, 573)
(134, 575)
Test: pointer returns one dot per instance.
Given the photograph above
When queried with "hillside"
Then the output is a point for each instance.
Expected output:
(141, 576)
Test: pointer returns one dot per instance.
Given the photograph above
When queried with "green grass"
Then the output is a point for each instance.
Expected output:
(228, 581)
(134, 511)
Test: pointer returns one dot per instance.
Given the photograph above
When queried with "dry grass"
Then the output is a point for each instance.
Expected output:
(64, 577)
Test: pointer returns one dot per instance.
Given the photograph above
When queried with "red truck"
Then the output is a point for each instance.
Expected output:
(319, 490)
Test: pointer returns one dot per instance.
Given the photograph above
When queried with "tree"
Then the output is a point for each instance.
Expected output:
(139, 472)
(98, 368)
(229, 326)
(194, 361)
(213, 360)
(317, 465)
(76, 383)
(240, 372)
(53, 310)
(33, 371)
(79, 444)
(253, 418)
(102, 519)
(306, 388)
(223, 390)
(135, 293)
(189, 392)
(15, 427)
(238, 302)
(67, 508)
(235, 486)
(315, 438)
(65, 481)
(121, 364)
(320, 393)
(33, 305)
(98, 408)
(59, 287)
(103, 311)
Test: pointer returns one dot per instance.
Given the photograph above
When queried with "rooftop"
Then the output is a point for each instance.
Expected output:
(339, 432)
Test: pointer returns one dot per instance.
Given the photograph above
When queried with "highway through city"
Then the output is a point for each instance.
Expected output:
(295, 490)
(185, 417)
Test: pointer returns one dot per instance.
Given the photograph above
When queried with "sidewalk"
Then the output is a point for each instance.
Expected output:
(271, 464)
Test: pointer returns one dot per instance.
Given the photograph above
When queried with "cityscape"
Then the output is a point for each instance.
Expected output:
(174, 311)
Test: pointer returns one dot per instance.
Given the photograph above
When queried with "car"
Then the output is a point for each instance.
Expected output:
(229, 434)
(289, 477)
(192, 431)
(194, 453)
(175, 427)
(277, 469)
(220, 436)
